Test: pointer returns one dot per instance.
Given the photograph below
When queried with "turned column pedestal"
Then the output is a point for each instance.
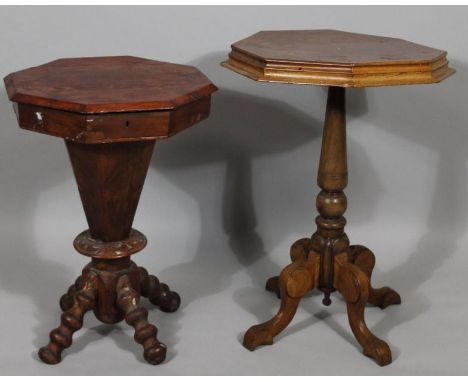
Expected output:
(326, 261)
(110, 111)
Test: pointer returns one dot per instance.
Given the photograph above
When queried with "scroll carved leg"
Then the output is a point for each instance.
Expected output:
(71, 321)
(158, 293)
(299, 251)
(353, 283)
(66, 301)
(364, 259)
(294, 282)
(128, 300)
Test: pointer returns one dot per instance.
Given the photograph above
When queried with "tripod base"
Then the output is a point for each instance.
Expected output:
(352, 274)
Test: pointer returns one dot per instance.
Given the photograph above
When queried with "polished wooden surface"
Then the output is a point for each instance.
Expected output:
(326, 261)
(110, 178)
(108, 84)
(92, 100)
(110, 112)
(336, 58)
(112, 289)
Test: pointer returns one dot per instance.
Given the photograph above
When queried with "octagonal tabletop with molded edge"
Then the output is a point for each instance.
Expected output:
(108, 99)
(336, 58)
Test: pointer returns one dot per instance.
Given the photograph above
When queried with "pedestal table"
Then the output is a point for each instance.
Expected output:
(110, 111)
(327, 261)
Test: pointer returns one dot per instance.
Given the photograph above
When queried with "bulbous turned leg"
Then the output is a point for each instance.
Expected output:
(294, 282)
(66, 301)
(299, 250)
(71, 321)
(364, 259)
(128, 300)
(158, 293)
(354, 285)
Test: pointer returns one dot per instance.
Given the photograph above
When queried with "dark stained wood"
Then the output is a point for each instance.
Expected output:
(50, 121)
(112, 127)
(110, 178)
(82, 301)
(87, 245)
(128, 300)
(336, 58)
(108, 84)
(157, 292)
(110, 111)
(112, 289)
(327, 261)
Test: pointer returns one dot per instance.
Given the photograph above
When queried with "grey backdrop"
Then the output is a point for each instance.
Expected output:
(224, 200)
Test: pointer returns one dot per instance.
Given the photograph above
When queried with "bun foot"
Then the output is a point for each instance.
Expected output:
(158, 293)
(169, 301)
(257, 336)
(156, 354)
(48, 356)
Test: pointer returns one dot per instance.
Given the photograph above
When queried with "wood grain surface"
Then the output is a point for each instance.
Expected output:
(108, 84)
(336, 58)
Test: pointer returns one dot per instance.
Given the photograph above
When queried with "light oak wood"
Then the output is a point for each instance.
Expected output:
(327, 261)
(336, 58)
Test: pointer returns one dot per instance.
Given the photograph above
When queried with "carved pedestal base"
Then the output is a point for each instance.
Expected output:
(112, 289)
(326, 261)
(352, 274)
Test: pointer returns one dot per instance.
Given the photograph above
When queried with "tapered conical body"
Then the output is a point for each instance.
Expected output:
(110, 178)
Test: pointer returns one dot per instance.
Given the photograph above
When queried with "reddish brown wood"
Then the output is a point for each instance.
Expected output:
(112, 289)
(327, 261)
(112, 127)
(81, 302)
(128, 300)
(110, 178)
(109, 99)
(158, 293)
(110, 111)
(108, 84)
(90, 246)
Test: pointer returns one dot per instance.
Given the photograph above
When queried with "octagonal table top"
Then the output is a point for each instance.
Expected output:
(336, 58)
(108, 84)
(109, 99)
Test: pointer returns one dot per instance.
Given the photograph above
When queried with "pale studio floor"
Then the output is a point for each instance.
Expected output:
(221, 298)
